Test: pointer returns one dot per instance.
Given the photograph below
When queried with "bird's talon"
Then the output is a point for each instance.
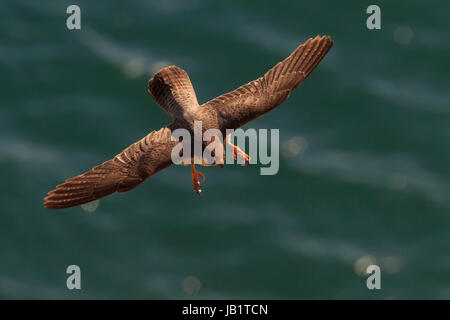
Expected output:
(195, 179)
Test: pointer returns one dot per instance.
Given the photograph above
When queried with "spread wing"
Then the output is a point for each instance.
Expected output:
(120, 174)
(172, 90)
(252, 100)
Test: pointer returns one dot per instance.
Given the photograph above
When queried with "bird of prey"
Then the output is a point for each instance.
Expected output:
(172, 90)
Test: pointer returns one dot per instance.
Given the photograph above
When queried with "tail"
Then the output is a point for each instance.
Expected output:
(172, 89)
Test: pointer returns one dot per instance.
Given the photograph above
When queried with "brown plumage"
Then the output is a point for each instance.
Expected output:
(171, 88)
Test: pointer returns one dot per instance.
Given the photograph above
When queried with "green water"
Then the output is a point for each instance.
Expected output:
(369, 178)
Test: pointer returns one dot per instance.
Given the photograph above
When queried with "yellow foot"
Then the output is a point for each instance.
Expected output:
(195, 180)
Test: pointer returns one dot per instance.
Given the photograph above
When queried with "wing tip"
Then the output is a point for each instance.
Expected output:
(51, 203)
(325, 37)
(63, 203)
(328, 39)
(48, 203)
(63, 196)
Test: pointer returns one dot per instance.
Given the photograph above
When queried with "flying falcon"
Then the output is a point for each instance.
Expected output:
(171, 88)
